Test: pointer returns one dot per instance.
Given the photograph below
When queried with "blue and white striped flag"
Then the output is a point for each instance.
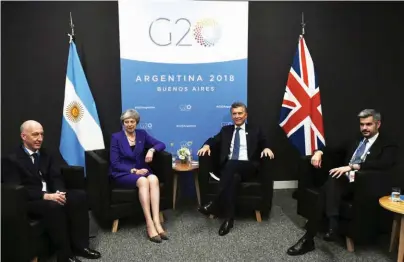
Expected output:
(81, 129)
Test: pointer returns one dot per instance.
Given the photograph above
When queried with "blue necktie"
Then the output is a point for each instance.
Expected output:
(236, 146)
(359, 152)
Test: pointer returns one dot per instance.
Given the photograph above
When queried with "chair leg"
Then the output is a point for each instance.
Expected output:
(258, 215)
(161, 217)
(350, 244)
(394, 232)
(35, 259)
(115, 225)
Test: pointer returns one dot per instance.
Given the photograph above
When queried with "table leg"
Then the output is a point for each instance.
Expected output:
(198, 194)
(401, 245)
(175, 189)
(394, 231)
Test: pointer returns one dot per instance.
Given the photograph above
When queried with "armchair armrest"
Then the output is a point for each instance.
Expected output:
(16, 231)
(372, 183)
(73, 177)
(98, 188)
(162, 165)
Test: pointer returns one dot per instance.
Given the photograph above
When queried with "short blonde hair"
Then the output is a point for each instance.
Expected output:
(130, 113)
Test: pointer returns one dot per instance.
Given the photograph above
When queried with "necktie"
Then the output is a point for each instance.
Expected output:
(359, 152)
(236, 146)
(36, 160)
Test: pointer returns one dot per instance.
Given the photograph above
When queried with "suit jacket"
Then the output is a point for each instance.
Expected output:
(123, 158)
(17, 168)
(256, 142)
(382, 155)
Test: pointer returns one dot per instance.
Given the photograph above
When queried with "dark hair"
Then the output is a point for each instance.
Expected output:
(238, 104)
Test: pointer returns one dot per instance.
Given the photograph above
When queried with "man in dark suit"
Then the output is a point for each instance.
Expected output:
(65, 214)
(372, 151)
(241, 146)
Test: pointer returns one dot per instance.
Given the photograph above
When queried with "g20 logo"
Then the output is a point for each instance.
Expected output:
(143, 125)
(206, 32)
(187, 144)
(185, 107)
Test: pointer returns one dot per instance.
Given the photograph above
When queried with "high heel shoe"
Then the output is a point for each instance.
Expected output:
(163, 235)
(155, 239)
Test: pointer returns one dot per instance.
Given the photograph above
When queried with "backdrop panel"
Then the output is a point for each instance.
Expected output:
(182, 65)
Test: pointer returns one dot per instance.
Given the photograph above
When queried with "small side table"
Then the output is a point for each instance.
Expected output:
(398, 224)
(181, 168)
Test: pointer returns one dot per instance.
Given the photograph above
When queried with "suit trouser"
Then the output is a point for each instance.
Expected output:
(232, 174)
(68, 225)
(329, 200)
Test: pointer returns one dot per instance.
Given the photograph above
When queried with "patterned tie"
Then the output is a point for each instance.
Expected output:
(359, 152)
(236, 147)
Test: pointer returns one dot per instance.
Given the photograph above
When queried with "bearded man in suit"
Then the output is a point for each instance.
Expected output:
(241, 146)
(372, 151)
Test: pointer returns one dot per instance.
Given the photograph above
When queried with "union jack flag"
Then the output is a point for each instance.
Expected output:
(301, 117)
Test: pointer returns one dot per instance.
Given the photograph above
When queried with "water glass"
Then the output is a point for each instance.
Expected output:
(395, 194)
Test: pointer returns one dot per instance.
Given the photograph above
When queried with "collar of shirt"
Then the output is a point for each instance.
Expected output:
(373, 139)
(242, 127)
(30, 152)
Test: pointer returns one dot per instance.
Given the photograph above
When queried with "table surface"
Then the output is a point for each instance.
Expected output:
(185, 167)
(397, 207)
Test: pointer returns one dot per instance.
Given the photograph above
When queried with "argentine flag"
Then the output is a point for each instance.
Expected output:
(80, 124)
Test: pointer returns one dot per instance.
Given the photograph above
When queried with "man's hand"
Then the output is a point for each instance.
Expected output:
(337, 172)
(149, 156)
(58, 197)
(316, 159)
(203, 150)
(267, 153)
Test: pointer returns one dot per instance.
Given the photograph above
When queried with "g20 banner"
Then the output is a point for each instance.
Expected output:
(182, 65)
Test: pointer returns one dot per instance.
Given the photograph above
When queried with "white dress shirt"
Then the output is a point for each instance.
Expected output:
(351, 174)
(243, 155)
(30, 152)
(368, 145)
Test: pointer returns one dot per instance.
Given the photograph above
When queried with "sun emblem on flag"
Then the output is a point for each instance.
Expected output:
(75, 111)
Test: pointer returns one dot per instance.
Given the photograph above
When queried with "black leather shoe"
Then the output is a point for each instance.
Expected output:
(88, 253)
(226, 226)
(73, 259)
(330, 235)
(302, 246)
(207, 209)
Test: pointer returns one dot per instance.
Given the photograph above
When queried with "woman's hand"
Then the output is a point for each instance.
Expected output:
(142, 171)
(149, 156)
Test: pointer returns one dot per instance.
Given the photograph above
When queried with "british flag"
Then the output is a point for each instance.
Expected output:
(301, 117)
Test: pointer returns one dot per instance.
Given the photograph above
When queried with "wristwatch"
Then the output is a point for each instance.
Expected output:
(152, 150)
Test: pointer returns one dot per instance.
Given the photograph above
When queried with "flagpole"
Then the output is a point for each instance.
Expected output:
(72, 28)
(303, 24)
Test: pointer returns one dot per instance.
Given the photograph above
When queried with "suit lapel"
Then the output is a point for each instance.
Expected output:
(125, 144)
(228, 138)
(26, 162)
(376, 147)
(248, 139)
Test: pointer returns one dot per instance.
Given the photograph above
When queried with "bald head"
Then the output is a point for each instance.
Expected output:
(32, 135)
(29, 124)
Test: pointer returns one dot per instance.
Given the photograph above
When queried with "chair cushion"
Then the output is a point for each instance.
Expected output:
(119, 195)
